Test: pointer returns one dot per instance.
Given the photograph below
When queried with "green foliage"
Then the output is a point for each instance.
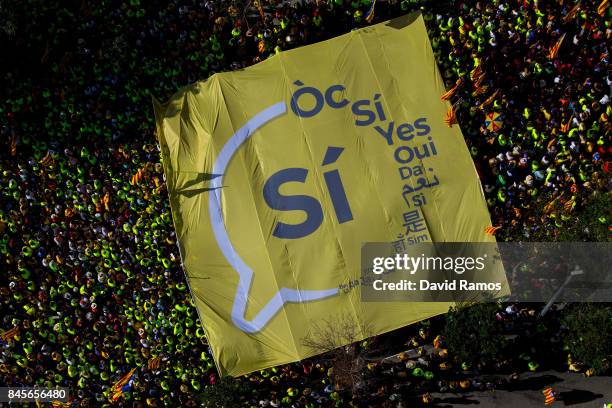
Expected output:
(590, 224)
(588, 334)
(8, 24)
(473, 334)
(227, 393)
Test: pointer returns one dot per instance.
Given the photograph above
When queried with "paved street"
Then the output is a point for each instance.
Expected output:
(573, 390)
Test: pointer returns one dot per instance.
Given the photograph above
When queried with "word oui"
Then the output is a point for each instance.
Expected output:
(406, 132)
(367, 112)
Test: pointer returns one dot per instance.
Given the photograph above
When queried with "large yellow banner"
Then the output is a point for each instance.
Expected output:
(278, 174)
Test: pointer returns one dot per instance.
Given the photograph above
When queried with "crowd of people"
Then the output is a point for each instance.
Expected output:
(91, 277)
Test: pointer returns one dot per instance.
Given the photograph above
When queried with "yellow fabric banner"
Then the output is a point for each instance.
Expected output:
(278, 173)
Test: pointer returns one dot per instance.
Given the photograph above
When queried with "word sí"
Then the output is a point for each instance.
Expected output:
(307, 102)
(310, 205)
(366, 112)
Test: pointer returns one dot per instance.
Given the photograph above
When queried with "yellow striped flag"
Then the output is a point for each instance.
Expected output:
(480, 90)
(451, 117)
(491, 230)
(569, 205)
(122, 385)
(437, 341)
(489, 100)
(479, 81)
(451, 92)
(138, 176)
(106, 200)
(549, 396)
(9, 334)
(476, 72)
(565, 127)
(601, 10)
(154, 363)
(554, 50)
(261, 11)
(572, 13)
(548, 208)
(124, 380)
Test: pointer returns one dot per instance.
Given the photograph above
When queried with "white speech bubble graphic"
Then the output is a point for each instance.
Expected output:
(284, 295)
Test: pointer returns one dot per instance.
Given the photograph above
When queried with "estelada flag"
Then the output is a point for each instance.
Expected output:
(554, 50)
(122, 385)
(549, 395)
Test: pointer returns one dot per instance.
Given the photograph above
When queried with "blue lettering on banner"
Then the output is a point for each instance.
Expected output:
(308, 204)
(370, 112)
(277, 201)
